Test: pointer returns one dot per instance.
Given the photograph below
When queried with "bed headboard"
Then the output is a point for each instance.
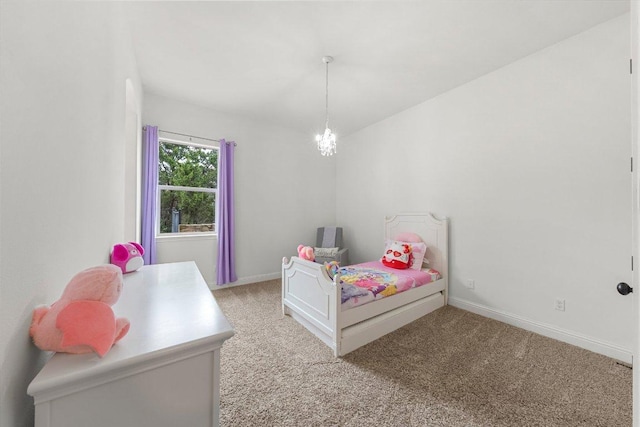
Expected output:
(434, 232)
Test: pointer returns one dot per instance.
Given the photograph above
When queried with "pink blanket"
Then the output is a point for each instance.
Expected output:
(369, 281)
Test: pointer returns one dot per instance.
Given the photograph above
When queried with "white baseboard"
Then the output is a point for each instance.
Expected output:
(601, 347)
(246, 280)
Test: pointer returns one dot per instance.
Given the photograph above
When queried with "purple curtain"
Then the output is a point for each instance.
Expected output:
(226, 266)
(150, 153)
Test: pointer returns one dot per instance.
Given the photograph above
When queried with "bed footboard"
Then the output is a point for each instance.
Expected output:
(310, 296)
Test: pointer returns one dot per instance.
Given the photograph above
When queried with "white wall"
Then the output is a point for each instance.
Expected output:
(132, 164)
(531, 165)
(284, 189)
(63, 73)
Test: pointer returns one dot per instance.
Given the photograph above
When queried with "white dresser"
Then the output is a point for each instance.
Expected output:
(164, 372)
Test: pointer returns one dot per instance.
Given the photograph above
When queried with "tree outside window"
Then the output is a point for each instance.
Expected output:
(187, 182)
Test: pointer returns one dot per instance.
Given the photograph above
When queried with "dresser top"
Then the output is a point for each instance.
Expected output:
(173, 315)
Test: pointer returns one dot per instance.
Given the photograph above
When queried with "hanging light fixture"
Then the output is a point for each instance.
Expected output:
(327, 141)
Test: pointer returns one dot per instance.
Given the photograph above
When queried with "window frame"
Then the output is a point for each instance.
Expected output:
(160, 187)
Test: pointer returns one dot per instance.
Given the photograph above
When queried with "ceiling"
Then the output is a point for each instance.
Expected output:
(263, 59)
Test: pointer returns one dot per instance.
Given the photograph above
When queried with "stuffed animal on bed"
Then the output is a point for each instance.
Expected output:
(82, 320)
(127, 256)
(397, 255)
(332, 268)
(306, 252)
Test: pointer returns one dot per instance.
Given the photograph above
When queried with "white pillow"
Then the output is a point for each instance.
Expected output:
(325, 252)
(419, 251)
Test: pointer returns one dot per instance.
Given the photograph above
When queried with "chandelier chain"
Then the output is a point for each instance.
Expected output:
(327, 95)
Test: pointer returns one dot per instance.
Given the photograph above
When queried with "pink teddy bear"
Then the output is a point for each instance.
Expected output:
(82, 320)
(306, 252)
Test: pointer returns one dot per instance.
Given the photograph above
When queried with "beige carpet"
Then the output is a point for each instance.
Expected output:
(450, 368)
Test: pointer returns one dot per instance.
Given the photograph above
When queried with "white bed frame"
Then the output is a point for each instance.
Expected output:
(313, 299)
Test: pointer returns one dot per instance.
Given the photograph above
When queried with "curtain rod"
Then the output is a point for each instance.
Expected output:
(190, 136)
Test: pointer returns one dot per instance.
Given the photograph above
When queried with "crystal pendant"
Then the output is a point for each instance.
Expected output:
(326, 143)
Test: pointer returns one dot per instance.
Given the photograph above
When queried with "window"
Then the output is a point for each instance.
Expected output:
(187, 186)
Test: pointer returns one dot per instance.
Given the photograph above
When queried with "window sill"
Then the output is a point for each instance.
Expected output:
(186, 236)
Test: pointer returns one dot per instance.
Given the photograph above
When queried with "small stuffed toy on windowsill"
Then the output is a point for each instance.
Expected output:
(127, 256)
(82, 320)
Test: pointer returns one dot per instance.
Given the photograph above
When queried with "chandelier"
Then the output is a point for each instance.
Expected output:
(327, 141)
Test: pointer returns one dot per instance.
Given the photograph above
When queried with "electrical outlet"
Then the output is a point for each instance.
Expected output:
(471, 284)
(559, 304)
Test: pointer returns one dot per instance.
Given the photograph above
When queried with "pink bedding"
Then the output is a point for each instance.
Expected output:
(370, 281)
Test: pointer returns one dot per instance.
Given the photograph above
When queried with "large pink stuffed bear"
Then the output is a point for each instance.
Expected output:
(82, 320)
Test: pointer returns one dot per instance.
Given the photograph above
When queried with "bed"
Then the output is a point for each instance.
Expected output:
(314, 299)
